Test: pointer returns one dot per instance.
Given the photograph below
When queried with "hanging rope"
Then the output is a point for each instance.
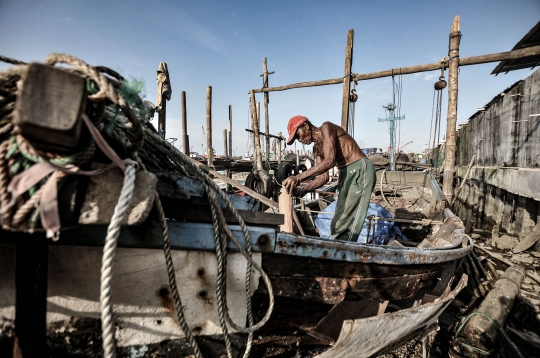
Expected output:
(353, 97)
(436, 109)
(222, 234)
(113, 231)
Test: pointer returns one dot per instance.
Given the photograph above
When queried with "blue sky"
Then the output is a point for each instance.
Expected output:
(222, 44)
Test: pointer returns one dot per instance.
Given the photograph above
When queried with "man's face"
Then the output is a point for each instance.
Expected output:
(303, 134)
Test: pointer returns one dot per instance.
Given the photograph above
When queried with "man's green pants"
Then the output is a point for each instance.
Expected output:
(356, 181)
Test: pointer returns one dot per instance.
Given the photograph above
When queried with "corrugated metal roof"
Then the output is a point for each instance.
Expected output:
(531, 39)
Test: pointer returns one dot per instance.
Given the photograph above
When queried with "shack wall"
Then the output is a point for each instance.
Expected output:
(504, 184)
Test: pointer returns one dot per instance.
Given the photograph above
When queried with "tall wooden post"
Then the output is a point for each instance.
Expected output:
(279, 149)
(257, 138)
(162, 117)
(185, 138)
(347, 81)
(264, 75)
(450, 145)
(209, 151)
(230, 132)
(259, 126)
(225, 150)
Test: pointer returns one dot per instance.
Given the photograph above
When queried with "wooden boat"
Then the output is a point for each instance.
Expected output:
(304, 267)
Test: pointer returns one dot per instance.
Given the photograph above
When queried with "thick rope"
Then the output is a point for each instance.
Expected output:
(210, 186)
(5, 197)
(107, 326)
(172, 280)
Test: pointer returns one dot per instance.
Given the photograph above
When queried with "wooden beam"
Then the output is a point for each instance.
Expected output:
(185, 140)
(252, 193)
(209, 151)
(451, 119)
(347, 80)
(280, 137)
(225, 150)
(230, 132)
(465, 61)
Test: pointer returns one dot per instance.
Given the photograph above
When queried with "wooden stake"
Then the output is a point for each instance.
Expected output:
(209, 151)
(257, 138)
(464, 178)
(266, 101)
(279, 148)
(225, 150)
(450, 145)
(347, 80)
(285, 202)
(162, 117)
(185, 139)
(230, 132)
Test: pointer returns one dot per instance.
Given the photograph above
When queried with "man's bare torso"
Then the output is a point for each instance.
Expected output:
(347, 151)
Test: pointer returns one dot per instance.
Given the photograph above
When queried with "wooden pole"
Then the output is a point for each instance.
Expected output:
(230, 132)
(209, 151)
(266, 101)
(466, 61)
(162, 117)
(225, 150)
(228, 187)
(451, 119)
(464, 178)
(259, 124)
(31, 282)
(257, 138)
(279, 148)
(185, 139)
(347, 81)
(483, 333)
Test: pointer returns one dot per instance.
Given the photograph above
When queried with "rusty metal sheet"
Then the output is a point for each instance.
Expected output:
(370, 337)
(291, 244)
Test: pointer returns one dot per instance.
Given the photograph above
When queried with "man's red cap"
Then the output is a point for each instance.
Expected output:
(293, 125)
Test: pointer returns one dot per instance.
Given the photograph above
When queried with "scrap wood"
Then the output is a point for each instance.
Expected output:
(506, 262)
(483, 329)
(529, 241)
(271, 203)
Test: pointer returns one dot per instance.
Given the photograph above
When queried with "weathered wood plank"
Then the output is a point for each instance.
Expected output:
(184, 210)
(236, 184)
(330, 326)
(529, 240)
(286, 209)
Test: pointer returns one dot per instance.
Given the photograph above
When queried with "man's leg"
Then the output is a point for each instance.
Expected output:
(352, 207)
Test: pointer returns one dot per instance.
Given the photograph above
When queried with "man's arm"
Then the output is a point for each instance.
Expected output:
(315, 184)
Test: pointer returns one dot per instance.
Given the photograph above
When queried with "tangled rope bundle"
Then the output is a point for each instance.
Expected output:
(18, 155)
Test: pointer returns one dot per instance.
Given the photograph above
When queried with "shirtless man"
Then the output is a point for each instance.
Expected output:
(334, 147)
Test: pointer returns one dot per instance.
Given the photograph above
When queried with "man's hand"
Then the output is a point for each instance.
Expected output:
(301, 191)
(290, 184)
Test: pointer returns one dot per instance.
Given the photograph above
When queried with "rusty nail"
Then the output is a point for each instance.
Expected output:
(262, 240)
